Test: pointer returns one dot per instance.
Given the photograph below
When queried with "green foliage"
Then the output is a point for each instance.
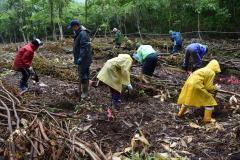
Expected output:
(142, 93)
(153, 156)
(24, 19)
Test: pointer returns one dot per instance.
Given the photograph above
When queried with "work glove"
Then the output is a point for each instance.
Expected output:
(31, 69)
(189, 73)
(130, 87)
(78, 61)
(218, 87)
(34, 75)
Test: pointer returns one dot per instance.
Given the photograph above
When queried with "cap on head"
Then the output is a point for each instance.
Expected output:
(115, 30)
(170, 31)
(73, 23)
(37, 42)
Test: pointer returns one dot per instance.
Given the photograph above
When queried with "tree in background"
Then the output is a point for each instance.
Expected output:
(21, 20)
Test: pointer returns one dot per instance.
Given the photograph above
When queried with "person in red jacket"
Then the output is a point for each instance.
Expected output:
(23, 61)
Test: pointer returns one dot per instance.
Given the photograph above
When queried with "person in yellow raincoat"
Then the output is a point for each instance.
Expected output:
(116, 73)
(198, 90)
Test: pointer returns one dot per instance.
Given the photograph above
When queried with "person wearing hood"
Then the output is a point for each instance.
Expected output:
(23, 62)
(177, 41)
(198, 90)
(146, 56)
(196, 52)
(82, 53)
(116, 73)
(118, 37)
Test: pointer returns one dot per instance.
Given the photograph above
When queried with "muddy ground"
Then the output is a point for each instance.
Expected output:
(141, 109)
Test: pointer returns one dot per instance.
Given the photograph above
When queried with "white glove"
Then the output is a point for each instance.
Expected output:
(130, 87)
(30, 68)
(218, 87)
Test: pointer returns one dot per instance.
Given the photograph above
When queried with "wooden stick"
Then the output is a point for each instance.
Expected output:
(11, 145)
(33, 112)
(99, 151)
(87, 149)
(43, 131)
(228, 92)
(15, 98)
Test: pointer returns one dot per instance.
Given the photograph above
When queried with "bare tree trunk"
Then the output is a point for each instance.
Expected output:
(28, 37)
(10, 38)
(138, 25)
(125, 28)
(199, 32)
(15, 36)
(60, 9)
(2, 39)
(139, 32)
(54, 33)
(61, 31)
(86, 11)
(24, 37)
(51, 18)
(46, 34)
(105, 32)
(136, 8)
(21, 20)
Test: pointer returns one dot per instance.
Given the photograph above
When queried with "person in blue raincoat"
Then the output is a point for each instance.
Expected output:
(177, 41)
(196, 52)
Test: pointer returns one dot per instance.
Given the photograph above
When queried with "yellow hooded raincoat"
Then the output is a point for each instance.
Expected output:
(116, 72)
(197, 90)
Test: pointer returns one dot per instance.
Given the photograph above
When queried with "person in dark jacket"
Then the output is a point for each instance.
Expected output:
(196, 52)
(82, 53)
(23, 62)
(177, 41)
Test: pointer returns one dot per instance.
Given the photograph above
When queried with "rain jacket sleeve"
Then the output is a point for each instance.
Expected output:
(27, 58)
(84, 43)
(82, 47)
(125, 73)
(209, 86)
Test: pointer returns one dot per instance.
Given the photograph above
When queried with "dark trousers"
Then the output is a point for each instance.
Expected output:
(26, 73)
(115, 96)
(83, 73)
(149, 64)
(196, 59)
(176, 48)
(117, 45)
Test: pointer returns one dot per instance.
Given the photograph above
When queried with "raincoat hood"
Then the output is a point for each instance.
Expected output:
(203, 48)
(116, 72)
(128, 57)
(214, 66)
